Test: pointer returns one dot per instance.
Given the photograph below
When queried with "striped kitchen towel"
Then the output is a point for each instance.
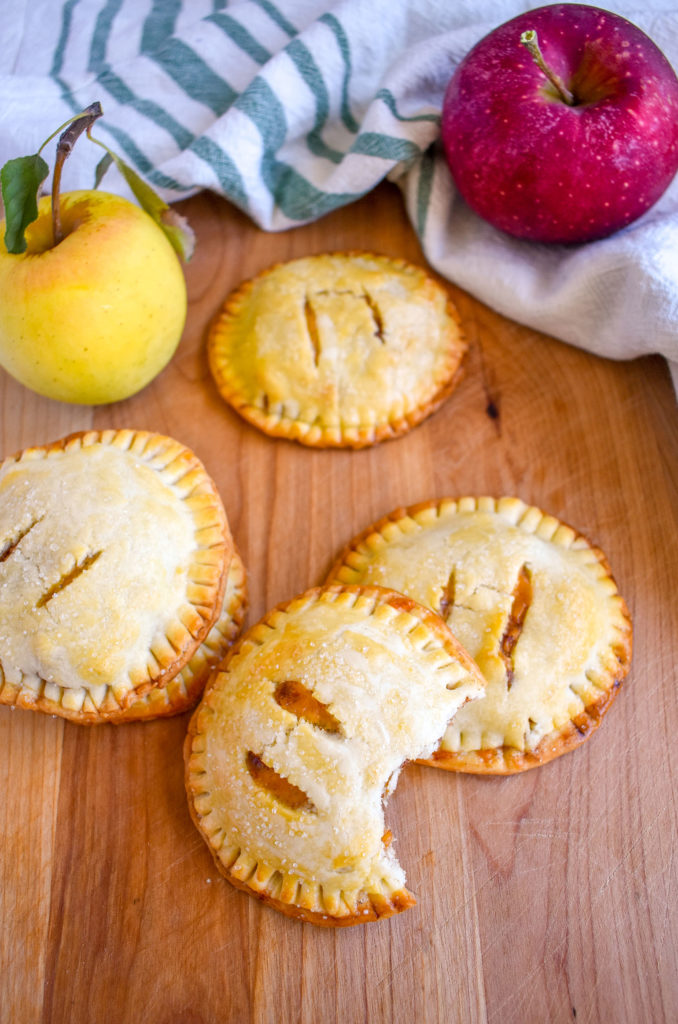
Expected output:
(292, 108)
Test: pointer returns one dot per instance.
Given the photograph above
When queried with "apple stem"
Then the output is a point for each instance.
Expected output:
(56, 209)
(529, 40)
(67, 140)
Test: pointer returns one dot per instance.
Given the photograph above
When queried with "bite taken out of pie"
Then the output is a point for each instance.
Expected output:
(299, 739)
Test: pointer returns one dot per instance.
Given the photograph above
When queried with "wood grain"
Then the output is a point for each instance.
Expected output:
(550, 896)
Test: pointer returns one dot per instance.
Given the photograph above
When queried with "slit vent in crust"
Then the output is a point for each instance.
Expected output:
(282, 789)
(312, 327)
(13, 544)
(522, 599)
(70, 577)
(447, 596)
(376, 316)
(293, 696)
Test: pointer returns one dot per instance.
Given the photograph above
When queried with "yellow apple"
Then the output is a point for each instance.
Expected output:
(95, 318)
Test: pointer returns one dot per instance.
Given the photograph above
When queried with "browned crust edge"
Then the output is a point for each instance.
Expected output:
(332, 437)
(373, 906)
(401, 602)
(411, 511)
(508, 760)
(173, 698)
(22, 697)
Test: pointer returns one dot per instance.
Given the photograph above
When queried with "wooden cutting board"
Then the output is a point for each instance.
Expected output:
(550, 896)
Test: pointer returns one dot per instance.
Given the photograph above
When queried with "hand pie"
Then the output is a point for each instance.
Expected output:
(534, 604)
(340, 350)
(300, 737)
(178, 694)
(114, 556)
(183, 691)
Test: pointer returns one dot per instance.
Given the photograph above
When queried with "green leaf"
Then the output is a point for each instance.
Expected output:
(149, 200)
(21, 178)
(101, 168)
(180, 235)
(179, 232)
(176, 228)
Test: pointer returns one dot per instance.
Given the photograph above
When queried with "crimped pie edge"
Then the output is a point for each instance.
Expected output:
(182, 471)
(505, 760)
(314, 434)
(242, 870)
(180, 693)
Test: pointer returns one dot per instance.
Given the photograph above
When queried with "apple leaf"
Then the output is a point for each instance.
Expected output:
(179, 232)
(177, 229)
(21, 178)
(101, 168)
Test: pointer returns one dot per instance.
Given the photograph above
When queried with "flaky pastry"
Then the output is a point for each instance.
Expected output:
(531, 600)
(114, 552)
(337, 350)
(300, 736)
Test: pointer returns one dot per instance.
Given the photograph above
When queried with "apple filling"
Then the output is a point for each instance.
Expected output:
(522, 599)
(296, 698)
(284, 791)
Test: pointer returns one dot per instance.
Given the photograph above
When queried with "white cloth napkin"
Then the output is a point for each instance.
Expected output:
(291, 108)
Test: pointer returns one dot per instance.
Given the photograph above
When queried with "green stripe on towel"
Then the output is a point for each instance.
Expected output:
(240, 36)
(276, 16)
(344, 47)
(194, 76)
(309, 71)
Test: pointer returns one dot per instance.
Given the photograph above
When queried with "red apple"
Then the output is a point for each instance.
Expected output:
(544, 165)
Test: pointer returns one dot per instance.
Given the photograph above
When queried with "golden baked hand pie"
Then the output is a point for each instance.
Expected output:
(300, 736)
(181, 692)
(114, 552)
(340, 350)
(534, 604)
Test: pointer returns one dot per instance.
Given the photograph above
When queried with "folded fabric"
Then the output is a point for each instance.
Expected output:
(294, 108)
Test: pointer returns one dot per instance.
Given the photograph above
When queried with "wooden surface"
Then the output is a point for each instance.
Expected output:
(550, 896)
